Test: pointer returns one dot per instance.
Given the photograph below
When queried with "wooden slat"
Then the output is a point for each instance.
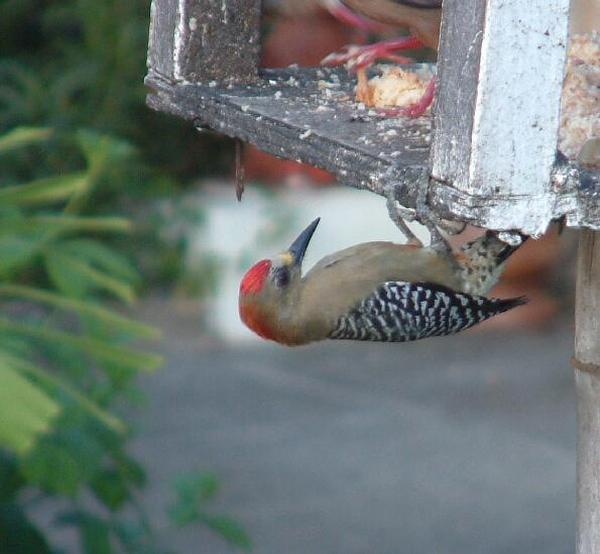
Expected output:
(309, 115)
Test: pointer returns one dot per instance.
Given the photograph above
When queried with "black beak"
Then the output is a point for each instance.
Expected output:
(299, 246)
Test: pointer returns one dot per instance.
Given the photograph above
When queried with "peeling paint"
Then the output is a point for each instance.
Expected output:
(179, 41)
(224, 12)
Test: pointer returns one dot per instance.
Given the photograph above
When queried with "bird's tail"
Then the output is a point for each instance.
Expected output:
(504, 304)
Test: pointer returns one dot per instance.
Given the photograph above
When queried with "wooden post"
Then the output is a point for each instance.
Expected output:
(587, 385)
(585, 17)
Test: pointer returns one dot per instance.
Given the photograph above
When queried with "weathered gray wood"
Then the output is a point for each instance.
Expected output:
(587, 303)
(308, 115)
(587, 383)
(498, 110)
(574, 194)
(458, 67)
(194, 41)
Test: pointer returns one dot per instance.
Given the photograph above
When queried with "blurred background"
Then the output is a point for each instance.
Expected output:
(138, 415)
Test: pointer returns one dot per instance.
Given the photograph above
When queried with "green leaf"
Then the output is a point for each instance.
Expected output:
(111, 489)
(103, 351)
(183, 512)
(53, 468)
(25, 411)
(229, 529)
(199, 486)
(54, 383)
(100, 149)
(83, 308)
(94, 532)
(46, 190)
(11, 481)
(23, 136)
(131, 470)
(77, 277)
(17, 534)
(80, 441)
(66, 223)
(95, 536)
(68, 281)
(16, 250)
(102, 256)
(191, 492)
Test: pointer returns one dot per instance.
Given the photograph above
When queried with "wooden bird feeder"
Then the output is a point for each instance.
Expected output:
(488, 155)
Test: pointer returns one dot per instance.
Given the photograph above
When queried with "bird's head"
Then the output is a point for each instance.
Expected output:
(268, 286)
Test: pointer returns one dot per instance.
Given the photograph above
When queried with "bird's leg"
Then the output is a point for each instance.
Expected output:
(356, 57)
(396, 216)
(425, 216)
(418, 108)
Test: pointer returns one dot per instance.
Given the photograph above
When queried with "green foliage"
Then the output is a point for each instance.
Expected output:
(80, 64)
(64, 357)
(192, 492)
(79, 148)
(73, 64)
(67, 360)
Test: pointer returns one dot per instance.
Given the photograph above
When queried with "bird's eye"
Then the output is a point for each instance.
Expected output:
(282, 277)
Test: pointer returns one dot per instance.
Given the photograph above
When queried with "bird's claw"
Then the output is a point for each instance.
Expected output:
(357, 57)
(397, 215)
(425, 215)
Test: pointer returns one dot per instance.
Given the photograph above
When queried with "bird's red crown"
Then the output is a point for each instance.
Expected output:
(255, 277)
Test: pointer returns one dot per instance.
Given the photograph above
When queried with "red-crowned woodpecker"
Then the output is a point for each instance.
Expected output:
(378, 291)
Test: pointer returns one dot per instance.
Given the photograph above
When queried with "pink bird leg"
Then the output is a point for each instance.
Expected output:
(362, 56)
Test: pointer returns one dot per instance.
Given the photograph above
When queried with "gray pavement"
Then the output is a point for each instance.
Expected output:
(454, 445)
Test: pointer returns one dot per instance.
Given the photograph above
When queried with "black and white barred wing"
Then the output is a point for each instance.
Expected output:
(398, 311)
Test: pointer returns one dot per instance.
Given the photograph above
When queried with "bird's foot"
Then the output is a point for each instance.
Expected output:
(357, 57)
(397, 215)
(414, 110)
(426, 216)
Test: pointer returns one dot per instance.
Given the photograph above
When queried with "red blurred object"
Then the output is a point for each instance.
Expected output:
(263, 167)
(305, 40)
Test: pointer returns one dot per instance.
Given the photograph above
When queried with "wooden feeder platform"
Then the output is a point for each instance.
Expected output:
(308, 115)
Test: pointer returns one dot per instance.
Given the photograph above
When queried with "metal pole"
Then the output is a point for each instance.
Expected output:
(587, 386)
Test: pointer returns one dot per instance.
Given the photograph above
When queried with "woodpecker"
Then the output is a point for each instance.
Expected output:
(376, 291)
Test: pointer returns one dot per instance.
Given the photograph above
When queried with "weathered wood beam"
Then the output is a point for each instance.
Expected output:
(213, 40)
(497, 115)
(308, 114)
